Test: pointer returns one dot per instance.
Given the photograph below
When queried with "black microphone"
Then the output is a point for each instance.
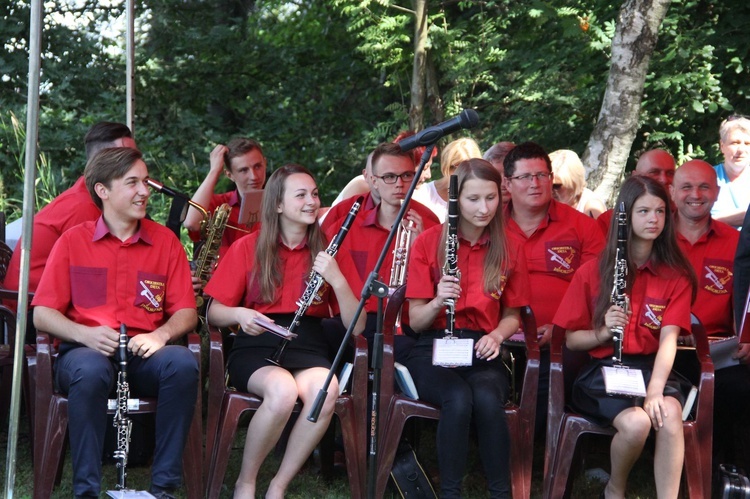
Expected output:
(154, 184)
(467, 119)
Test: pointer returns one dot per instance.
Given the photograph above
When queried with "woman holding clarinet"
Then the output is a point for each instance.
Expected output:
(465, 288)
(258, 287)
(649, 269)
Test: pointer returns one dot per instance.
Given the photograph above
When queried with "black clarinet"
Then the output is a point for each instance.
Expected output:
(314, 282)
(450, 267)
(619, 297)
(123, 424)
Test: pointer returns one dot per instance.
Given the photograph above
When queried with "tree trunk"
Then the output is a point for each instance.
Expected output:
(610, 142)
(434, 99)
(418, 86)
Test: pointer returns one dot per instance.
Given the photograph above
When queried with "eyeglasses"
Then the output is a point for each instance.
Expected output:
(527, 178)
(390, 178)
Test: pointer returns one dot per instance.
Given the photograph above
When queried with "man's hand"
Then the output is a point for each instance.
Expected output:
(103, 339)
(743, 353)
(544, 334)
(146, 344)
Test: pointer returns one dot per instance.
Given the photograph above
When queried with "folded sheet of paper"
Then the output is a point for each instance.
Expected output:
(452, 352)
(722, 351)
(624, 381)
(129, 494)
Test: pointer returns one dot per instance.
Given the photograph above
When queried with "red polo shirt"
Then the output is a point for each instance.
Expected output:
(560, 245)
(233, 199)
(660, 297)
(95, 279)
(362, 246)
(712, 257)
(475, 308)
(229, 287)
(74, 206)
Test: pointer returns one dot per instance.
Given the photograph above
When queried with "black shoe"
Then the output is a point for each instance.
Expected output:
(160, 493)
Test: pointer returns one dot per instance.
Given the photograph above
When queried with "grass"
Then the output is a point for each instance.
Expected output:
(309, 483)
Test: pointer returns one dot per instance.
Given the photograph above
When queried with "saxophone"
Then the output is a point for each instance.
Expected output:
(213, 231)
(122, 422)
(618, 296)
(450, 267)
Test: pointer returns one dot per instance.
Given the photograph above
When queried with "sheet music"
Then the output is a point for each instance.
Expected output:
(722, 351)
(624, 381)
(452, 352)
(274, 328)
(129, 494)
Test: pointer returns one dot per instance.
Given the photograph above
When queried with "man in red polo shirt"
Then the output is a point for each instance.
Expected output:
(72, 207)
(710, 246)
(243, 162)
(657, 164)
(556, 239)
(120, 269)
(392, 173)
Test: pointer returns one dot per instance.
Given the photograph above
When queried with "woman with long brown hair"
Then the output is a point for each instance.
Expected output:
(261, 277)
(488, 295)
(660, 283)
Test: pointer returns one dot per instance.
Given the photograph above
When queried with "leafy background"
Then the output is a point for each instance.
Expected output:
(321, 83)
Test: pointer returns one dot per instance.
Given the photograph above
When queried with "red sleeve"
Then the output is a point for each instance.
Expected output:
(577, 306)
(517, 293)
(678, 311)
(229, 281)
(422, 265)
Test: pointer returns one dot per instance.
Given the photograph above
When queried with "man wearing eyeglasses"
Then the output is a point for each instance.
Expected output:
(556, 239)
(733, 174)
(392, 174)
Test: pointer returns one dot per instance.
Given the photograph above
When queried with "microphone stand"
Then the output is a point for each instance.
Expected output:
(372, 287)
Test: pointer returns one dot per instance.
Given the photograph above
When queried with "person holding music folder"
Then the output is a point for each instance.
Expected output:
(660, 284)
(487, 299)
(392, 174)
(710, 246)
(243, 162)
(120, 269)
(263, 277)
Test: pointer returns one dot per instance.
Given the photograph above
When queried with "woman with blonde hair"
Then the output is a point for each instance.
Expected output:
(569, 185)
(435, 194)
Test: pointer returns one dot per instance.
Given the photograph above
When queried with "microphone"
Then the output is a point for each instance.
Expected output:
(467, 119)
(154, 184)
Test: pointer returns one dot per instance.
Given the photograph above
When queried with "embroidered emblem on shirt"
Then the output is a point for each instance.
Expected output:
(716, 276)
(150, 294)
(495, 295)
(653, 313)
(562, 257)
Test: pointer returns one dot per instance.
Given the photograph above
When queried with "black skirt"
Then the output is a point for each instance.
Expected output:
(591, 399)
(250, 353)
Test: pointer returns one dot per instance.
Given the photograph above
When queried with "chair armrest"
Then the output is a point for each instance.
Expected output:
(704, 407)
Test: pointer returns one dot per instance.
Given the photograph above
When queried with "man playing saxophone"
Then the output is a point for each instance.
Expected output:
(392, 173)
(120, 268)
(243, 162)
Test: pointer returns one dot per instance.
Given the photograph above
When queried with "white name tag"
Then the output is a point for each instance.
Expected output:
(624, 381)
(133, 404)
(452, 352)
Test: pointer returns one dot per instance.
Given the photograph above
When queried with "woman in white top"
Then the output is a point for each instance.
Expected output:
(569, 184)
(435, 194)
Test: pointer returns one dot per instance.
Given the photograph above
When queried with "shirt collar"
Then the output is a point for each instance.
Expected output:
(141, 234)
(234, 198)
(299, 247)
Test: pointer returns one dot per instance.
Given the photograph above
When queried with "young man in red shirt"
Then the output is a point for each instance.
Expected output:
(72, 207)
(243, 162)
(392, 174)
(120, 269)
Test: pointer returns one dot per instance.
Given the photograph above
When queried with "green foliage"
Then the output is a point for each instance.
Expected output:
(321, 83)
